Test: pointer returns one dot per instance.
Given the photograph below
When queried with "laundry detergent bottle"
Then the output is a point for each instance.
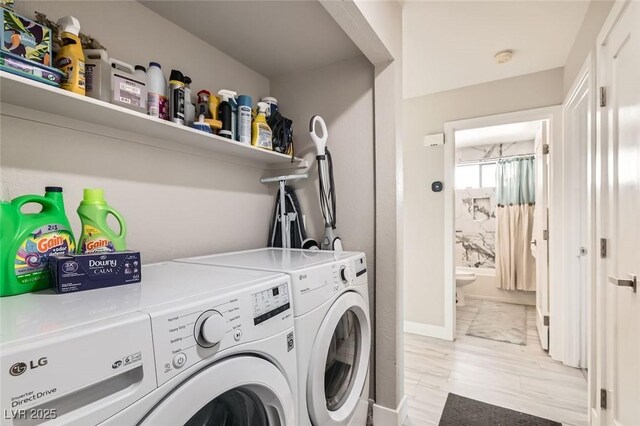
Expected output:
(28, 239)
(96, 235)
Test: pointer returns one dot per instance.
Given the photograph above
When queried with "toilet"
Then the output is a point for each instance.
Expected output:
(463, 278)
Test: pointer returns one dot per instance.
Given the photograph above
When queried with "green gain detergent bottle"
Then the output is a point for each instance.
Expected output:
(28, 239)
(96, 235)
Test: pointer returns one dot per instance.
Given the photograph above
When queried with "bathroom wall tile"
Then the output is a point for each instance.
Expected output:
(475, 227)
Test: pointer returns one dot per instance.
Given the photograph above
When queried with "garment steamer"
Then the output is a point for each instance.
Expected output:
(326, 185)
(285, 218)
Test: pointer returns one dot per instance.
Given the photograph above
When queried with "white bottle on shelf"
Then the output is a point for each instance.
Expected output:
(157, 103)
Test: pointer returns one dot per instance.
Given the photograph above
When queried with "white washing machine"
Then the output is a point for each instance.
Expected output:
(190, 345)
(332, 325)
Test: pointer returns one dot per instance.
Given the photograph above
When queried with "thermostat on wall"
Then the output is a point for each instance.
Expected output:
(436, 139)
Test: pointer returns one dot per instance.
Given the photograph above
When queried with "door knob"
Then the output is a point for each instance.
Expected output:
(633, 282)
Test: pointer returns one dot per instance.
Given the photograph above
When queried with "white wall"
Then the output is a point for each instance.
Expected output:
(385, 18)
(424, 209)
(376, 28)
(342, 94)
(585, 41)
(175, 204)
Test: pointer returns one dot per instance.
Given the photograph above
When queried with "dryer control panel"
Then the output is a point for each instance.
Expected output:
(186, 335)
(315, 285)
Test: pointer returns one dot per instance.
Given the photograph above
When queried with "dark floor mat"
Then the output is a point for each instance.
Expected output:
(461, 411)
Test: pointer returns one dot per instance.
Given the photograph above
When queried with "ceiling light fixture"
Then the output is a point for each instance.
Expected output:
(503, 56)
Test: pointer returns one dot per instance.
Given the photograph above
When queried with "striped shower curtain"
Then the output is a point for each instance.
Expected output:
(515, 196)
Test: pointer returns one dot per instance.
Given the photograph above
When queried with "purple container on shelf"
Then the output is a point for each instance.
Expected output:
(25, 68)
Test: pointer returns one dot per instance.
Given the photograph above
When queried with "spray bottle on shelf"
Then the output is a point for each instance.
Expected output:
(96, 236)
(214, 105)
(189, 108)
(70, 58)
(202, 105)
(244, 119)
(227, 111)
(261, 130)
(176, 97)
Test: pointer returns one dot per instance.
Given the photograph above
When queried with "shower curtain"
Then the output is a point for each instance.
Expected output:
(515, 196)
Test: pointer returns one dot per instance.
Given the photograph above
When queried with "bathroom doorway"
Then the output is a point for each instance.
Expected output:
(498, 213)
(500, 206)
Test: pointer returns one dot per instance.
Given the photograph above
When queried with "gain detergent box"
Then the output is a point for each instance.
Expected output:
(28, 240)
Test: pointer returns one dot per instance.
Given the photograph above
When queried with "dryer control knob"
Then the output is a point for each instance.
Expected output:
(345, 275)
(213, 328)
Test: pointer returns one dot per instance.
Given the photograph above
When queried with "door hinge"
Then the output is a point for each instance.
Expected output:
(603, 248)
(545, 149)
(545, 235)
(545, 320)
(603, 398)
(603, 96)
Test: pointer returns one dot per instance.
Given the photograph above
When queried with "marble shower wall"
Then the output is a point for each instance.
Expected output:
(475, 227)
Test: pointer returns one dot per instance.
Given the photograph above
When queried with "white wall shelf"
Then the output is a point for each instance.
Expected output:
(35, 96)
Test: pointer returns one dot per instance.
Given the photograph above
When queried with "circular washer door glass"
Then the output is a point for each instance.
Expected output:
(342, 357)
(236, 407)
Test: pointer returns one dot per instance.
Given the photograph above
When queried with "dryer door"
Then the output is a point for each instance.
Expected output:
(340, 361)
(238, 391)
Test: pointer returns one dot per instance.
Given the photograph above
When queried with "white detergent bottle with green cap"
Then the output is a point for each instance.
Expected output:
(96, 235)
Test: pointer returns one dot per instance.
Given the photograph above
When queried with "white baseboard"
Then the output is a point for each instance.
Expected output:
(383, 416)
(515, 301)
(428, 330)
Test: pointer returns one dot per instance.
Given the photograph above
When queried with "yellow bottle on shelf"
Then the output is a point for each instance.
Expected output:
(260, 130)
(70, 58)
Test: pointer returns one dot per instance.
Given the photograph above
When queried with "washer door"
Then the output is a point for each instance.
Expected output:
(339, 361)
(240, 391)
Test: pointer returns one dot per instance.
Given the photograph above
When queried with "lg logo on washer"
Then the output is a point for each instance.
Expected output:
(19, 368)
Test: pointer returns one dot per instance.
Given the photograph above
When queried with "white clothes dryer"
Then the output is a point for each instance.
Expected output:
(332, 326)
(190, 345)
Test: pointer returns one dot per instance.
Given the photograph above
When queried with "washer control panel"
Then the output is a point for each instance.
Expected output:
(270, 302)
(187, 333)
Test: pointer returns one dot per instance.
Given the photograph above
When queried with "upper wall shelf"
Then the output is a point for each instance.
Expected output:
(40, 97)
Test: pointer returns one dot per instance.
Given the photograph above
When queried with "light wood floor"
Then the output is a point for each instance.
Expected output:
(522, 378)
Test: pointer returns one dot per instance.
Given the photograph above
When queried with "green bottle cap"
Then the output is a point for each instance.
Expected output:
(94, 196)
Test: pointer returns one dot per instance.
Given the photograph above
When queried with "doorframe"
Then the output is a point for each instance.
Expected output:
(554, 115)
(583, 87)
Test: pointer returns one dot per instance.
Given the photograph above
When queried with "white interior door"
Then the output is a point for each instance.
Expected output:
(540, 243)
(619, 58)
